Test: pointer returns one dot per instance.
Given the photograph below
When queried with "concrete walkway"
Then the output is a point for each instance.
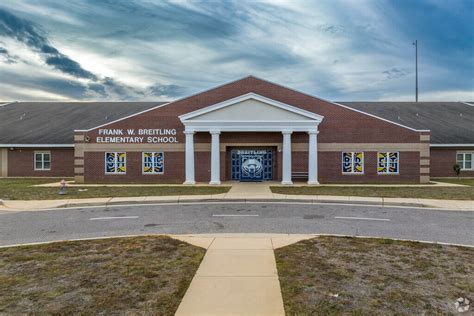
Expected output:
(239, 191)
(238, 276)
(244, 196)
(250, 190)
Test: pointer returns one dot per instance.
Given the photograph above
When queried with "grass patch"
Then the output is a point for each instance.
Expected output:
(136, 275)
(462, 181)
(23, 189)
(445, 193)
(357, 276)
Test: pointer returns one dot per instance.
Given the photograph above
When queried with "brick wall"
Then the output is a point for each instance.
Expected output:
(340, 126)
(442, 161)
(330, 169)
(21, 162)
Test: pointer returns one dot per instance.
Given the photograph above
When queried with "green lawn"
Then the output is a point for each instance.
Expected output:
(120, 276)
(447, 193)
(23, 189)
(457, 181)
(357, 276)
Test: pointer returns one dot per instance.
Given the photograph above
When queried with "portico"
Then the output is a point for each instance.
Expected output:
(251, 113)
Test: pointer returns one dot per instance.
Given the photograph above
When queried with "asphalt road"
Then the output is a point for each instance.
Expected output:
(393, 222)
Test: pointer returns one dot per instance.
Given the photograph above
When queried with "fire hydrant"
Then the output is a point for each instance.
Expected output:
(62, 188)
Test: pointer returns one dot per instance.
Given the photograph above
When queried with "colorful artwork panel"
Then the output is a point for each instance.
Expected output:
(153, 162)
(115, 162)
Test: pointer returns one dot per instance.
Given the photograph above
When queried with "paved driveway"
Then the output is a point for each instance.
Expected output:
(406, 223)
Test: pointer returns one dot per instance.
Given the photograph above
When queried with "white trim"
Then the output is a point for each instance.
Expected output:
(381, 118)
(398, 163)
(451, 145)
(466, 103)
(121, 119)
(344, 106)
(171, 102)
(143, 163)
(249, 96)
(249, 126)
(250, 76)
(115, 162)
(37, 145)
(462, 164)
(352, 158)
(42, 152)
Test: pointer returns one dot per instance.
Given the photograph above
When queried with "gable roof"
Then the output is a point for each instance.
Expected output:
(54, 122)
(252, 96)
(449, 122)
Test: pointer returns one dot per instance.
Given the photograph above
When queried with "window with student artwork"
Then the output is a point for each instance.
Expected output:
(387, 163)
(42, 160)
(153, 162)
(464, 160)
(115, 163)
(352, 162)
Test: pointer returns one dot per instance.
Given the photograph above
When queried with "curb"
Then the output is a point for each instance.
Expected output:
(244, 201)
(205, 235)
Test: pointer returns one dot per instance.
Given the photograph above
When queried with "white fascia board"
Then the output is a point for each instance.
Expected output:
(159, 106)
(381, 118)
(248, 96)
(347, 107)
(451, 145)
(120, 119)
(252, 126)
(37, 145)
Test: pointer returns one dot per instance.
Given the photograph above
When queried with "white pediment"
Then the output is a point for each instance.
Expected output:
(250, 112)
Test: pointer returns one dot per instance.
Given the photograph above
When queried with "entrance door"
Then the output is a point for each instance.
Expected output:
(252, 164)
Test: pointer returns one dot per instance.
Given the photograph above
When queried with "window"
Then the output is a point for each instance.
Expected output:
(464, 160)
(115, 163)
(153, 162)
(352, 163)
(42, 160)
(387, 163)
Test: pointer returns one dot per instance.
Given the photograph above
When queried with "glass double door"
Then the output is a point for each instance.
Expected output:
(252, 164)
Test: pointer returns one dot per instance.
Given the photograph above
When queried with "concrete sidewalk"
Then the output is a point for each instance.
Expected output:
(238, 276)
(243, 197)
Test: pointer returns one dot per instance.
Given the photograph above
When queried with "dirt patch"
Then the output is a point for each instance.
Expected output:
(337, 275)
(136, 275)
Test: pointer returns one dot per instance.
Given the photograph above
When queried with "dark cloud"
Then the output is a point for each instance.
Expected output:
(170, 90)
(146, 20)
(26, 32)
(7, 57)
(395, 73)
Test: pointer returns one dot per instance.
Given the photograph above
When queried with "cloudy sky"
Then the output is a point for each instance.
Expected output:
(156, 50)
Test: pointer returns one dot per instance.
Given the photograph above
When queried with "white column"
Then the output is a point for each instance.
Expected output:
(215, 158)
(189, 157)
(313, 157)
(286, 174)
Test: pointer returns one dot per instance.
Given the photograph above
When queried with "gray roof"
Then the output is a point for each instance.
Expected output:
(55, 122)
(449, 122)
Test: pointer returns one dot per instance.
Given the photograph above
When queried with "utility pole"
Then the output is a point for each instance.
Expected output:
(416, 68)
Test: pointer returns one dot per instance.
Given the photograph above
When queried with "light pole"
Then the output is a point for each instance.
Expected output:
(416, 68)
